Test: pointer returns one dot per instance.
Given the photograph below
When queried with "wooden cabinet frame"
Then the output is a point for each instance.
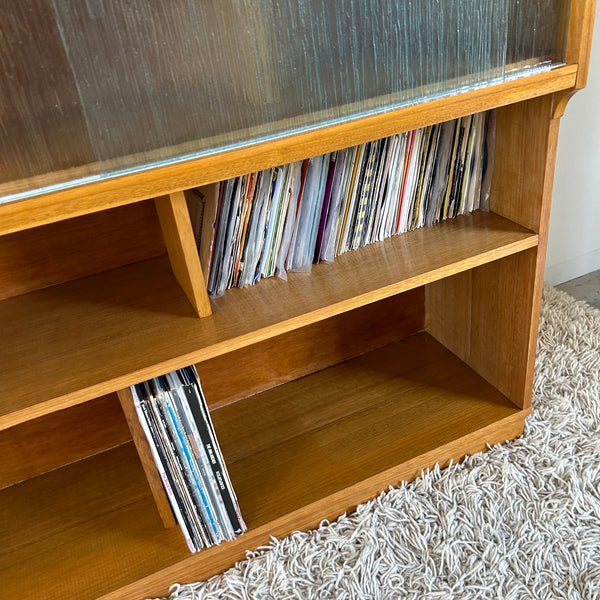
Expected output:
(324, 389)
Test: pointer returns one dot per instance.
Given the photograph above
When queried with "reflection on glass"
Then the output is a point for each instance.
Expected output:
(95, 87)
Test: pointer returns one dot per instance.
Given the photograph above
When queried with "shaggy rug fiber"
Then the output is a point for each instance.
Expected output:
(519, 521)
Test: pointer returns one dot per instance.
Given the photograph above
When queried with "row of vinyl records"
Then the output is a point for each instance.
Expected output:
(176, 421)
(289, 217)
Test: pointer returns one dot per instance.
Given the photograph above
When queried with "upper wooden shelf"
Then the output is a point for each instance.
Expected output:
(79, 340)
(115, 191)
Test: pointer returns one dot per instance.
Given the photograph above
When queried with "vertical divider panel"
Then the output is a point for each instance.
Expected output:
(175, 222)
(145, 454)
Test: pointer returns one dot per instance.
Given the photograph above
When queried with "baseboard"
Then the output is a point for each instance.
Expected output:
(572, 268)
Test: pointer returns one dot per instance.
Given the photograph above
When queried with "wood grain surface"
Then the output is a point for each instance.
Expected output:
(579, 38)
(45, 256)
(183, 254)
(244, 372)
(298, 453)
(495, 307)
(145, 455)
(60, 438)
(106, 332)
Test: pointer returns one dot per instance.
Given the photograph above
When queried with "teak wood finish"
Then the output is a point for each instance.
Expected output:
(145, 455)
(47, 256)
(317, 401)
(61, 438)
(117, 328)
(340, 435)
(300, 352)
(177, 230)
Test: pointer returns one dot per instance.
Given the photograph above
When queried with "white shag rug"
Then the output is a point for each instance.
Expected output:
(520, 521)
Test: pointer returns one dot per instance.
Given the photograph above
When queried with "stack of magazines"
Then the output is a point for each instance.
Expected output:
(176, 421)
(289, 217)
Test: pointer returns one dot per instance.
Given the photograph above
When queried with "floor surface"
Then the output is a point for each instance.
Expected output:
(586, 287)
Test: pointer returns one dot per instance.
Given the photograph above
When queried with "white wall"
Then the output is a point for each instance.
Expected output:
(574, 239)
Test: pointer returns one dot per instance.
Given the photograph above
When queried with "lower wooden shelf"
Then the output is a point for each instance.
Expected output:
(298, 453)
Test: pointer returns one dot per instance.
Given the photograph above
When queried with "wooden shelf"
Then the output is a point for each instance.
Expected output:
(79, 340)
(298, 453)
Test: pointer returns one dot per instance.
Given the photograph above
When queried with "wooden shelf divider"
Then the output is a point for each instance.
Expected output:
(183, 255)
(145, 454)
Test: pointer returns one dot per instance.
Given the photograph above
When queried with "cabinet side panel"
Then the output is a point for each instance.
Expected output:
(504, 296)
(272, 362)
(504, 321)
(521, 191)
(579, 40)
(524, 162)
(486, 318)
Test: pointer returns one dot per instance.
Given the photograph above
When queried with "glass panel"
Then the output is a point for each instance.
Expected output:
(537, 33)
(92, 88)
(42, 128)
